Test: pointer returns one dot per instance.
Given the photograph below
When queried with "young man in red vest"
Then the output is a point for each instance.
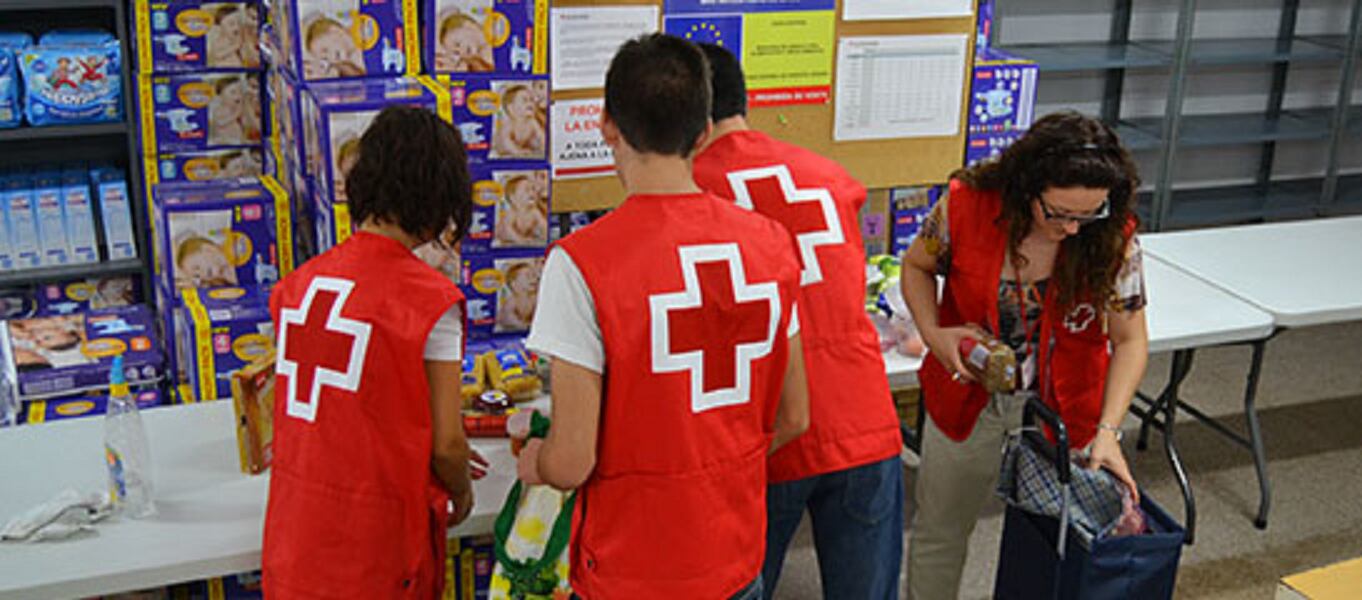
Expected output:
(369, 446)
(676, 357)
(845, 471)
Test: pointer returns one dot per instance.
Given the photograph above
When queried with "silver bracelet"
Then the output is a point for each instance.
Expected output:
(1116, 430)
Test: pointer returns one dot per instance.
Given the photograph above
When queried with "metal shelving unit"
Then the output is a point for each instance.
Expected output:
(105, 142)
(1182, 57)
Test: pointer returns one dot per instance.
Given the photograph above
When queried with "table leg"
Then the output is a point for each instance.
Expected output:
(1181, 367)
(1256, 435)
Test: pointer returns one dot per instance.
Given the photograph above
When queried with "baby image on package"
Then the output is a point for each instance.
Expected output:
(519, 294)
(485, 36)
(187, 36)
(341, 39)
(211, 164)
(522, 218)
(196, 112)
(520, 127)
(49, 342)
(206, 249)
(234, 112)
(346, 129)
(442, 254)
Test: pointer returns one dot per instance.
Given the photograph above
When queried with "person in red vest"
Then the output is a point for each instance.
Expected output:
(1038, 250)
(676, 361)
(369, 447)
(846, 470)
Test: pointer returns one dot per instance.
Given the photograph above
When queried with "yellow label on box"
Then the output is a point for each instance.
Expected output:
(203, 345)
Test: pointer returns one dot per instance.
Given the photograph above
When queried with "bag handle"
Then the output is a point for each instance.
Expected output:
(1058, 453)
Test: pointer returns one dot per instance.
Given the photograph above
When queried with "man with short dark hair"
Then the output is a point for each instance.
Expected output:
(845, 471)
(676, 361)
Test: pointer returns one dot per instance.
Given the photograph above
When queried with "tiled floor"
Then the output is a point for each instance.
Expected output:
(1311, 407)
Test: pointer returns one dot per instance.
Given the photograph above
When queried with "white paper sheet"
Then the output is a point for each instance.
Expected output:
(899, 86)
(584, 39)
(579, 151)
(876, 10)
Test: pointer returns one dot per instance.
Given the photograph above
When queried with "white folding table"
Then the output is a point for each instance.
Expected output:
(1300, 273)
(210, 515)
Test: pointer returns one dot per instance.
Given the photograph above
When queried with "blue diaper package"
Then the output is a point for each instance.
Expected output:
(80, 216)
(76, 37)
(21, 213)
(510, 209)
(908, 208)
(111, 188)
(502, 288)
(179, 36)
(11, 108)
(61, 409)
(336, 113)
(72, 84)
(84, 295)
(486, 36)
(502, 119)
(231, 163)
(47, 195)
(222, 233)
(199, 111)
(346, 39)
(220, 330)
(57, 356)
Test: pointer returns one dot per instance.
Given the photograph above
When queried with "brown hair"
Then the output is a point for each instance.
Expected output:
(456, 21)
(1066, 149)
(318, 27)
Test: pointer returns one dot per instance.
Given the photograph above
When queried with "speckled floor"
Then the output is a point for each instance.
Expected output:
(1311, 408)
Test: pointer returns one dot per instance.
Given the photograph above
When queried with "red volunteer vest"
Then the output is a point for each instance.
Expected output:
(1074, 346)
(354, 511)
(852, 418)
(693, 296)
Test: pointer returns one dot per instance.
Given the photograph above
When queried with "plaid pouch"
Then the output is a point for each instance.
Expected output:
(1029, 481)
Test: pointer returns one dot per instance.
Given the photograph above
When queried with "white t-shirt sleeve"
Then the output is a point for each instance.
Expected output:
(565, 325)
(445, 342)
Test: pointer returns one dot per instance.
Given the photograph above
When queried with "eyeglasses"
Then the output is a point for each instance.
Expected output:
(1102, 212)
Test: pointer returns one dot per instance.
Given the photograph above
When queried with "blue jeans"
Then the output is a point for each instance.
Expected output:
(857, 517)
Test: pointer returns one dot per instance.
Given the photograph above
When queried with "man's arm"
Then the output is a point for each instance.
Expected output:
(450, 452)
(792, 416)
(568, 454)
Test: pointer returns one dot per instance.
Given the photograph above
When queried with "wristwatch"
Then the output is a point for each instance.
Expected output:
(1116, 430)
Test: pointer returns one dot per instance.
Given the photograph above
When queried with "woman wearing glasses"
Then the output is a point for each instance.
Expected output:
(1037, 250)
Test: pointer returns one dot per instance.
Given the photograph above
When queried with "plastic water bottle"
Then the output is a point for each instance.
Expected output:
(125, 450)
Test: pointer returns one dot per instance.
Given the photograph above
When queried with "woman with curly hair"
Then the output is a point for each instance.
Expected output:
(1037, 250)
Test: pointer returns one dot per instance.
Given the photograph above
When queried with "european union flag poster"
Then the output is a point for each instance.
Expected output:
(725, 31)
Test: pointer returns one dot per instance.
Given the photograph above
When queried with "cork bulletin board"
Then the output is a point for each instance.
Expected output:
(878, 163)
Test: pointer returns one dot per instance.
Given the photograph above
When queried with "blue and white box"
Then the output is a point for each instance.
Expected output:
(80, 216)
(486, 36)
(21, 212)
(72, 84)
(189, 112)
(47, 195)
(111, 186)
(346, 39)
(11, 105)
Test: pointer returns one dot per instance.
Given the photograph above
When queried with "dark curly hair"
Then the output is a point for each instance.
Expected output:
(1066, 149)
(412, 172)
(657, 92)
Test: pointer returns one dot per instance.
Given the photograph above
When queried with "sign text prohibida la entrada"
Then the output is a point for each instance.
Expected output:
(579, 151)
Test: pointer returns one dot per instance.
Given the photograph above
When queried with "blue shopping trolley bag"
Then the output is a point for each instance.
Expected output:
(1054, 529)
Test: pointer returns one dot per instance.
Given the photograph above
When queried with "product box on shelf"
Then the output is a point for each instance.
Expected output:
(11, 100)
(80, 215)
(486, 36)
(220, 330)
(69, 354)
(190, 112)
(502, 119)
(21, 213)
(984, 146)
(562, 225)
(222, 233)
(332, 224)
(61, 409)
(346, 39)
(243, 586)
(47, 196)
(983, 30)
(1002, 93)
(67, 84)
(194, 35)
(511, 209)
(231, 163)
(84, 295)
(474, 559)
(111, 187)
(908, 208)
(502, 289)
(18, 303)
(285, 122)
(336, 113)
(253, 402)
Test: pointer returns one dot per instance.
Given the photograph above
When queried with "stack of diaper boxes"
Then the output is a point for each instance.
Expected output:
(1002, 103)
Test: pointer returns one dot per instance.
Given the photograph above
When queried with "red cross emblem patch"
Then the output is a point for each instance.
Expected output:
(318, 347)
(715, 327)
(809, 213)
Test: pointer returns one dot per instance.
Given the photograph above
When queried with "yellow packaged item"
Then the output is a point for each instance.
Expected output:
(508, 370)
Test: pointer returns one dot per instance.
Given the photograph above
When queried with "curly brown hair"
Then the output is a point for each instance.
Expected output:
(412, 172)
(1066, 149)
